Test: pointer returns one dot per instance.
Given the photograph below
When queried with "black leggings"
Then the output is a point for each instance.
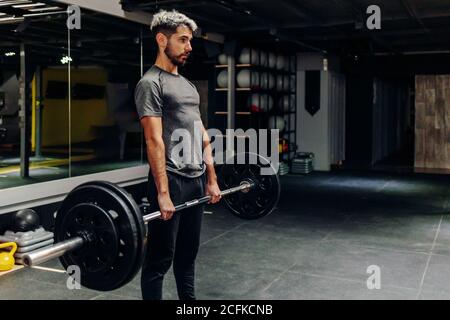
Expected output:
(177, 239)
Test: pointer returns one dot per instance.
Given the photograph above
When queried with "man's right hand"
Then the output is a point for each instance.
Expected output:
(166, 206)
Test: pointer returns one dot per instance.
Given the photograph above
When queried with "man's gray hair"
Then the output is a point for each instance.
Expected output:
(171, 20)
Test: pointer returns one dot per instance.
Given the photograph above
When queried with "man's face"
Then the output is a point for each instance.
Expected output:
(179, 46)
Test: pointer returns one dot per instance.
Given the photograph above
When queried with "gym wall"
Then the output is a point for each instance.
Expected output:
(10, 110)
(390, 117)
(86, 113)
(322, 132)
(432, 122)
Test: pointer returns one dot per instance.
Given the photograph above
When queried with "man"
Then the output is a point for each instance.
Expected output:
(166, 101)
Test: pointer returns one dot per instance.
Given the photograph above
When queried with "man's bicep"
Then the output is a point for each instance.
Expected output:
(148, 99)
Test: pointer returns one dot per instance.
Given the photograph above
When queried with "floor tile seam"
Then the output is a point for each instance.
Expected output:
(429, 258)
(278, 277)
(323, 276)
(222, 234)
(344, 243)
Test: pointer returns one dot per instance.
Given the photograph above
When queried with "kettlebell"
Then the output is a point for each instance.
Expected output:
(7, 258)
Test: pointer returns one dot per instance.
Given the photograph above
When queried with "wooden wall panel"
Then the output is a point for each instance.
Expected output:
(432, 122)
(420, 148)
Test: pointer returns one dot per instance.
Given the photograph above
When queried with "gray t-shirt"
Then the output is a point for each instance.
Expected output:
(174, 98)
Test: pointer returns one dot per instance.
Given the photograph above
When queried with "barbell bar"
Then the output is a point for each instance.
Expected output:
(101, 229)
(59, 249)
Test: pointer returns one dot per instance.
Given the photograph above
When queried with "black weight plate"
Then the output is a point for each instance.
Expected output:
(259, 201)
(136, 211)
(127, 234)
(101, 254)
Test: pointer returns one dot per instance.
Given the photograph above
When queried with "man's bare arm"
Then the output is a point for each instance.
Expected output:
(156, 154)
(212, 187)
(156, 151)
(209, 161)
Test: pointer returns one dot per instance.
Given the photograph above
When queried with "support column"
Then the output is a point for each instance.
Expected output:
(24, 122)
(39, 105)
(231, 104)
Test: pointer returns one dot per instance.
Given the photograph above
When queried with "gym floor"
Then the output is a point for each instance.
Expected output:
(328, 229)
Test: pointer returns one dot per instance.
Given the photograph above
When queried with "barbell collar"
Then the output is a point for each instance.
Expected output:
(55, 251)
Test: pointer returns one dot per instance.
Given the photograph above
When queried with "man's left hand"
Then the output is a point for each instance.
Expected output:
(212, 189)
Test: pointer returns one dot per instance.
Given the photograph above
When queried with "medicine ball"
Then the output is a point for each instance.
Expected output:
(25, 220)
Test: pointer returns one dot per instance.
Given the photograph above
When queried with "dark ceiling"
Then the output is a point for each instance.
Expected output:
(323, 25)
(332, 26)
(103, 39)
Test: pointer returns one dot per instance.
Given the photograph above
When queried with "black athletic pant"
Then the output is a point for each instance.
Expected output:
(176, 240)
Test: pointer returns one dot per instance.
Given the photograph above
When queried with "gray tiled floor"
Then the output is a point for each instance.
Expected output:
(328, 229)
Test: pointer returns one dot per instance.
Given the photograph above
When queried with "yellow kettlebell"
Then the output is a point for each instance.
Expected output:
(7, 258)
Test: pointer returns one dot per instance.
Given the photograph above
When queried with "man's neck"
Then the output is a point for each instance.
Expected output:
(165, 64)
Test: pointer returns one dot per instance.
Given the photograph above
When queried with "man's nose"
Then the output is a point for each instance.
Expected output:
(188, 47)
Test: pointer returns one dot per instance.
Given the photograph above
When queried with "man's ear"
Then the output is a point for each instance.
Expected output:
(161, 39)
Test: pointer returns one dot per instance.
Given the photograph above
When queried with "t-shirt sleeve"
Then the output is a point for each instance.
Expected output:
(148, 98)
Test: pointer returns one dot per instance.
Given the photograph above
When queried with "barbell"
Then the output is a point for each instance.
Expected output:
(102, 230)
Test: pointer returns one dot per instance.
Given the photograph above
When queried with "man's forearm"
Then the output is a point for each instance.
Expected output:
(209, 161)
(211, 173)
(157, 161)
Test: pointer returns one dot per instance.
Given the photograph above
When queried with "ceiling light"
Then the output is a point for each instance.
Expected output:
(39, 14)
(13, 19)
(9, 3)
(45, 9)
(66, 60)
(10, 54)
(29, 5)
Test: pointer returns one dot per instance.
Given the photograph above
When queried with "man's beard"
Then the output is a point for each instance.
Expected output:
(174, 59)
